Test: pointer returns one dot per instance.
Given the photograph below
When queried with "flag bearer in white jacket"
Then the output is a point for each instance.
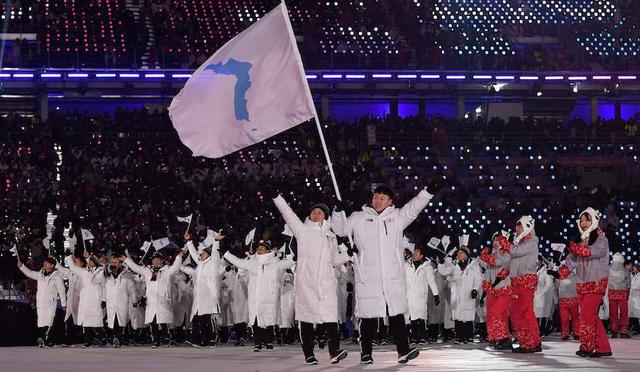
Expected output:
(159, 303)
(119, 291)
(206, 290)
(316, 287)
(90, 307)
(466, 285)
(264, 270)
(379, 266)
(420, 279)
(50, 290)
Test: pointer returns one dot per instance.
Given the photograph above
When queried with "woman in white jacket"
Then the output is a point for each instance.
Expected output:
(50, 290)
(466, 284)
(379, 267)
(159, 305)
(542, 303)
(206, 290)
(73, 300)
(90, 308)
(316, 287)
(264, 270)
(634, 298)
(420, 279)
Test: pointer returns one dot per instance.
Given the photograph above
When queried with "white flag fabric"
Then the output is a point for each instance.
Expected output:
(14, 251)
(433, 243)
(250, 89)
(185, 219)
(211, 238)
(46, 243)
(558, 247)
(287, 231)
(145, 247)
(446, 240)
(249, 238)
(87, 235)
(464, 240)
(158, 244)
(283, 248)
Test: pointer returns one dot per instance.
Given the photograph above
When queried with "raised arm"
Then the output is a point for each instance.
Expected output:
(72, 266)
(193, 252)
(188, 270)
(29, 273)
(410, 211)
(134, 266)
(342, 225)
(235, 261)
(289, 216)
(177, 263)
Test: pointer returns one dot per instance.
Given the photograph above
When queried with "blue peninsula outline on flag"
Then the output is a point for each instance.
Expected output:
(240, 70)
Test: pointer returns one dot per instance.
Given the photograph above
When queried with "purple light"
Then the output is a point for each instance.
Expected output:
(575, 78)
(332, 76)
(78, 75)
(105, 75)
(601, 77)
(505, 77)
(456, 77)
(381, 76)
(482, 77)
(311, 76)
(355, 76)
(430, 76)
(528, 78)
(554, 77)
(152, 76)
(130, 75)
(20, 75)
(627, 77)
(180, 76)
(55, 95)
(50, 75)
(407, 76)
(5, 75)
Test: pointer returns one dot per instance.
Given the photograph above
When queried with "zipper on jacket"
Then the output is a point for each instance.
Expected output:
(385, 227)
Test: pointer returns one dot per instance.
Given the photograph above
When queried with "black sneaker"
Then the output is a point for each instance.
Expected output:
(597, 354)
(87, 345)
(412, 354)
(269, 347)
(339, 356)
(311, 361)
(522, 350)
(257, 348)
(504, 344)
(582, 353)
(115, 342)
(40, 341)
(366, 359)
(155, 345)
(614, 335)
(576, 337)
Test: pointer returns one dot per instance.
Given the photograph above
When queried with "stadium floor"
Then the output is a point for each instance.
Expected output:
(556, 356)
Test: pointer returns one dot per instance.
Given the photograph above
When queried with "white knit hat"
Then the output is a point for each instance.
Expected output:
(528, 224)
(618, 257)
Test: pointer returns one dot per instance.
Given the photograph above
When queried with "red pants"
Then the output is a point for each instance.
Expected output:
(619, 305)
(593, 336)
(498, 316)
(523, 318)
(569, 310)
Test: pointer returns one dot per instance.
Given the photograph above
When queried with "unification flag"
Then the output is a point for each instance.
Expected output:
(250, 89)
(158, 244)
(558, 247)
(249, 238)
(185, 219)
(87, 235)
(145, 247)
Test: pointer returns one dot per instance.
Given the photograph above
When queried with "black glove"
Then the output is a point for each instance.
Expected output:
(436, 300)
(482, 302)
(270, 192)
(553, 274)
(352, 250)
(435, 185)
(474, 294)
(441, 260)
(103, 305)
(227, 269)
(341, 206)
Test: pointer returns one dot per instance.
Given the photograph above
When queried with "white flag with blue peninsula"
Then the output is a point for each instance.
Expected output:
(252, 88)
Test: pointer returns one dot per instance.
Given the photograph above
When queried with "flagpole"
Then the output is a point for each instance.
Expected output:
(296, 53)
